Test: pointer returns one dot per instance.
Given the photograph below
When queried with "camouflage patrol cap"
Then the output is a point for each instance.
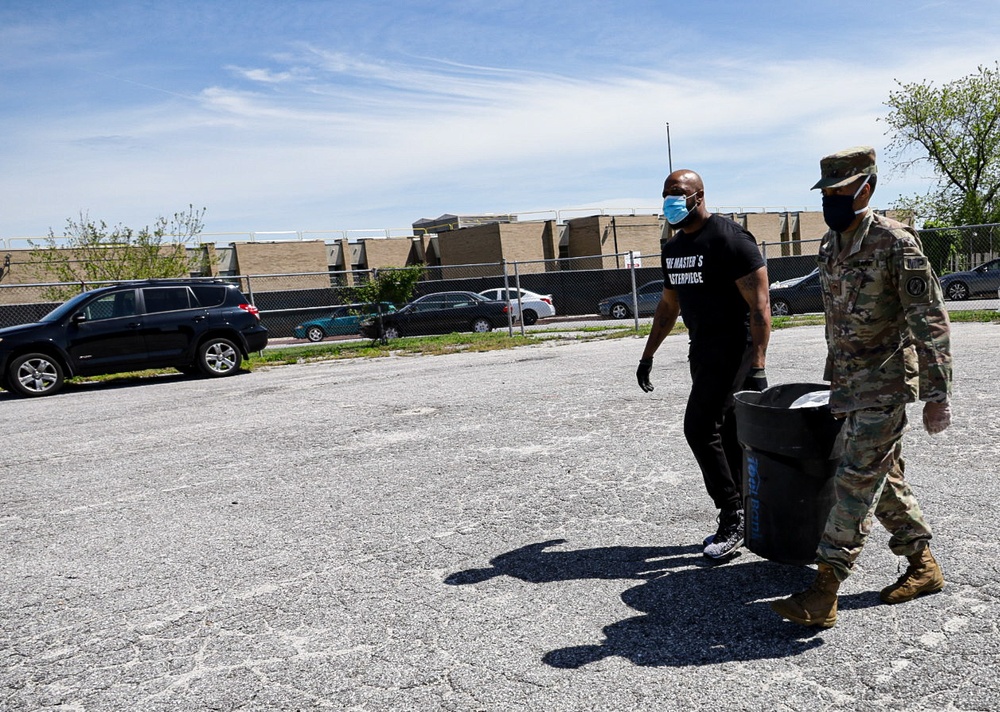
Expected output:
(839, 169)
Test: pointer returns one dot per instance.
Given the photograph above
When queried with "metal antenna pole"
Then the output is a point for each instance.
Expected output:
(670, 158)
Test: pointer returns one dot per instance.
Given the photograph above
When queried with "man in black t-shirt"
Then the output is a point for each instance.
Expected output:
(715, 276)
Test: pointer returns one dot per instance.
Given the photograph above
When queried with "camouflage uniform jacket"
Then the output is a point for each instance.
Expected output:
(887, 331)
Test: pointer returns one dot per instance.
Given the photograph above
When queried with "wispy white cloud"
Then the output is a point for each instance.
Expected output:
(264, 76)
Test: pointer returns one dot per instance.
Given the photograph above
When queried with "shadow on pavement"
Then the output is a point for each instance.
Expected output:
(534, 564)
(694, 612)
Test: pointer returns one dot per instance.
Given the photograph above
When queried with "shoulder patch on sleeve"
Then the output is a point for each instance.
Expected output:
(916, 263)
(916, 286)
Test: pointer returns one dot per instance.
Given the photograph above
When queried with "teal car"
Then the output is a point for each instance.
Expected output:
(343, 320)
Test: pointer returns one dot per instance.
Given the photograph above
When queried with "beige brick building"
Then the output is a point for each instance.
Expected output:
(537, 246)
(294, 259)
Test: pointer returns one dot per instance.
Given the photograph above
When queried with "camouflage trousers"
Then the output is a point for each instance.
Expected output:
(869, 481)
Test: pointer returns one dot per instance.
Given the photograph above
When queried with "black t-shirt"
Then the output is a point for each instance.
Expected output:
(703, 268)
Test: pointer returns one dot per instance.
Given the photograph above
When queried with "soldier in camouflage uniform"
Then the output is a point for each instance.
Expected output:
(888, 344)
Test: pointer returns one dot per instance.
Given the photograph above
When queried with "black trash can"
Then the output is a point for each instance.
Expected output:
(789, 458)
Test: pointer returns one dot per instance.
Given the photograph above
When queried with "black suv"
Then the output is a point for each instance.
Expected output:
(191, 325)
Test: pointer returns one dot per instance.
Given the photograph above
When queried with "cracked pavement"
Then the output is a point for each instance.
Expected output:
(481, 531)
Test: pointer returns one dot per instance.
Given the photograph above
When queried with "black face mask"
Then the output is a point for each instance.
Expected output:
(838, 211)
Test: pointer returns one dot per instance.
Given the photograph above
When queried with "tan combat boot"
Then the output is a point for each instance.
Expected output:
(923, 575)
(817, 605)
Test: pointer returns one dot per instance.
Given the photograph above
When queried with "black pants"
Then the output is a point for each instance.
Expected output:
(710, 423)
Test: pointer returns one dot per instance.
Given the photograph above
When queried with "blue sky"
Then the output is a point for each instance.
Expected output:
(365, 115)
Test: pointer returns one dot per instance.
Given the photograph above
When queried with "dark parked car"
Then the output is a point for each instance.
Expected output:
(800, 295)
(440, 313)
(193, 326)
(984, 279)
(620, 305)
(343, 320)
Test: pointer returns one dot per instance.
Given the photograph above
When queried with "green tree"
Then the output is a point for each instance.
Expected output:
(389, 285)
(955, 128)
(90, 251)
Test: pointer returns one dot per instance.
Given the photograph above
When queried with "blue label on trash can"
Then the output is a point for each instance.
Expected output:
(753, 487)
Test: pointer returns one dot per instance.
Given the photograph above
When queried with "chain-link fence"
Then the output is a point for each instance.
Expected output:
(960, 249)
(967, 259)
(286, 300)
(950, 249)
(574, 286)
(615, 286)
(25, 303)
(787, 260)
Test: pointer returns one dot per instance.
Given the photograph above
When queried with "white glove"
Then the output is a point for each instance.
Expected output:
(937, 417)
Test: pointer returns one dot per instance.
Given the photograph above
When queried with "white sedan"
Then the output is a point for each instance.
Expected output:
(533, 305)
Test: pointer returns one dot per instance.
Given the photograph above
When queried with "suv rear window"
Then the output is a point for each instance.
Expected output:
(163, 299)
(209, 295)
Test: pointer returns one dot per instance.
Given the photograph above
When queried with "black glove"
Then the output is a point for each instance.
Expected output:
(756, 380)
(642, 374)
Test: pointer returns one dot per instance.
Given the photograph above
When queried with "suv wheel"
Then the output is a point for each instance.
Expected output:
(219, 356)
(35, 375)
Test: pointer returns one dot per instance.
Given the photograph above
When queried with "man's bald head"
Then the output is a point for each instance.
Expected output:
(684, 180)
(688, 184)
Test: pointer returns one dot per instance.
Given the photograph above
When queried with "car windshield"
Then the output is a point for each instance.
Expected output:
(797, 280)
(66, 308)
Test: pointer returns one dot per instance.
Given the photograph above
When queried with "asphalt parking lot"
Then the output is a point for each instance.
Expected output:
(480, 531)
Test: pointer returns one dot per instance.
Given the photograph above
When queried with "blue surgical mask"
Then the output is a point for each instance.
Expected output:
(675, 208)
